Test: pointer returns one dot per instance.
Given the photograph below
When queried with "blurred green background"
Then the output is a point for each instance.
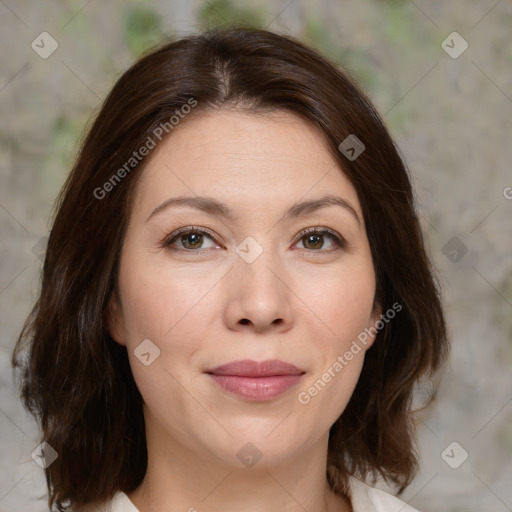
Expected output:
(451, 118)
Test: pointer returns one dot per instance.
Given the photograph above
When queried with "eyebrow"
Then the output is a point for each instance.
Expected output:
(219, 209)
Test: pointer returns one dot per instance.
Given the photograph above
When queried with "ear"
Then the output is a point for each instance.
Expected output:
(373, 324)
(115, 320)
(376, 313)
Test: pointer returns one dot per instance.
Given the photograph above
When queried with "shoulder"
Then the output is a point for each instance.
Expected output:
(370, 499)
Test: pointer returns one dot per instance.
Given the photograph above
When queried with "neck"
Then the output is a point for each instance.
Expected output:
(179, 478)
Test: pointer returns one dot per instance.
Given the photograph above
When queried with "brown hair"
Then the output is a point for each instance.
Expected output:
(77, 381)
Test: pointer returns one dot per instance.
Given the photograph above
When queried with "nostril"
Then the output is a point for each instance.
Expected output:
(244, 321)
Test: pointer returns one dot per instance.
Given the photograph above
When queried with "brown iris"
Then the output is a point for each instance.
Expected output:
(316, 241)
(193, 238)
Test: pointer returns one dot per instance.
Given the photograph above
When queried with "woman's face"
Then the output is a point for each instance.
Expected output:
(246, 286)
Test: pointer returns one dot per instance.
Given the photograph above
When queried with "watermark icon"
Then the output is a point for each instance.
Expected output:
(454, 249)
(249, 249)
(351, 147)
(44, 45)
(249, 455)
(454, 455)
(147, 352)
(39, 248)
(44, 455)
(150, 143)
(454, 45)
(335, 368)
(507, 192)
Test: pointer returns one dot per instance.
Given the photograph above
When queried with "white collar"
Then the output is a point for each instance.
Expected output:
(363, 498)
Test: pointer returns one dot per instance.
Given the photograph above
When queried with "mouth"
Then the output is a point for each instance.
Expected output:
(256, 381)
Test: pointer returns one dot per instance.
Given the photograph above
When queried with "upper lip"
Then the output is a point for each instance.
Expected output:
(249, 368)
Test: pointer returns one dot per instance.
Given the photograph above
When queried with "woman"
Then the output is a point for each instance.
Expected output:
(236, 300)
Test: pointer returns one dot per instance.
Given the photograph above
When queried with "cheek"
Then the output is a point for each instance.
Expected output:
(170, 307)
(342, 303)
(160, 301)
(161, 307)
(327, 394)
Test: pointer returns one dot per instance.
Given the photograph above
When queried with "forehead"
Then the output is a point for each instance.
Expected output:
(247, 160)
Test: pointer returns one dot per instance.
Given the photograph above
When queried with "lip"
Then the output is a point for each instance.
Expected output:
(249, 368)
(256, 381)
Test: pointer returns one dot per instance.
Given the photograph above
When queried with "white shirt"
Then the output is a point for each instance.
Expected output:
(363, 498)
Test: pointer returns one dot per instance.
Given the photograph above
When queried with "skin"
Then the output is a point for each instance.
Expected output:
(192, 306)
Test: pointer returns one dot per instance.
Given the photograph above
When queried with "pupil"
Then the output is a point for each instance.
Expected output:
(191, 239)
(314, 238)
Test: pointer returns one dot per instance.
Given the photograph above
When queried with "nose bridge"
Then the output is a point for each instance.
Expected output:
(258, 259)
(258, 289)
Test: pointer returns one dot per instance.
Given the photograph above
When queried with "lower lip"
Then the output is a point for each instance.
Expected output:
(257, 388)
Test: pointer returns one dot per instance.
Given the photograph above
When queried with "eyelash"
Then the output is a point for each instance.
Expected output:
(337, 239)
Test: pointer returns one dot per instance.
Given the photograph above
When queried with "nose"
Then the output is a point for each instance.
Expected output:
(259, 298)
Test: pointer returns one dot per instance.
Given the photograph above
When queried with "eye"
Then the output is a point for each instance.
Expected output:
(191, 239)
(313, 239)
